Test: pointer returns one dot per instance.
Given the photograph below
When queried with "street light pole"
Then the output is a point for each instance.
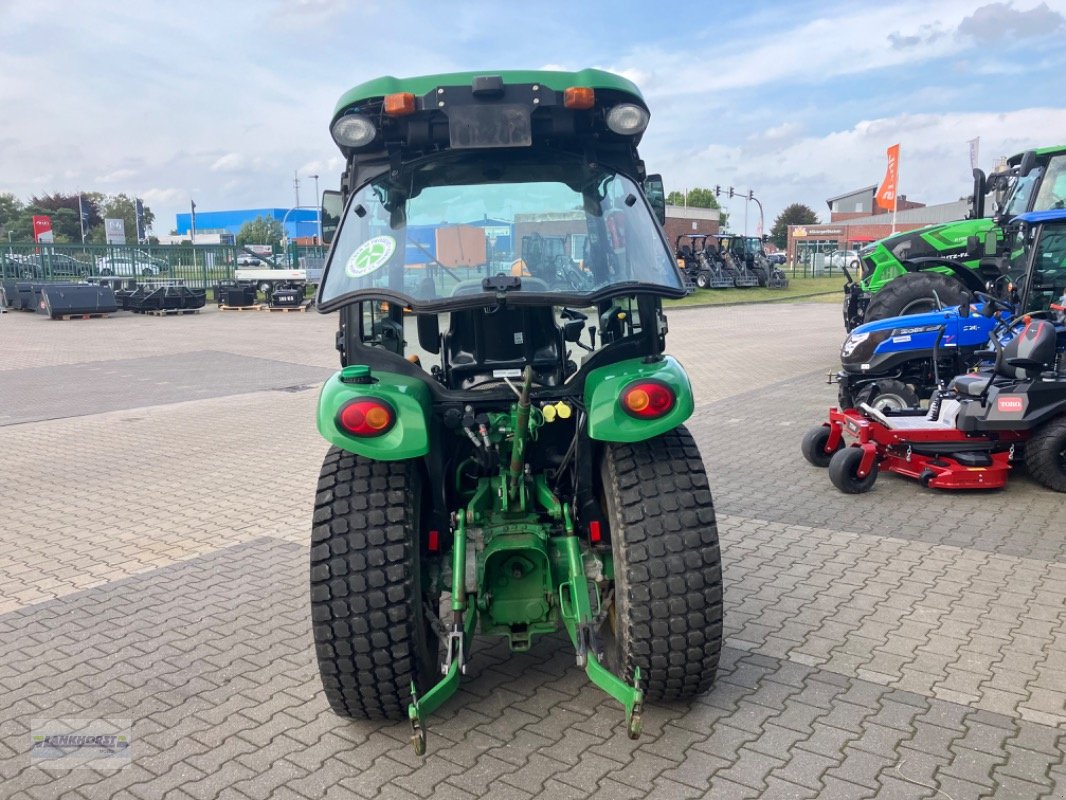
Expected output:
(318, 212)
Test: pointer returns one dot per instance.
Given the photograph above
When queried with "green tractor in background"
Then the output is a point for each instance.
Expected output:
(943, 265)
(508, 452)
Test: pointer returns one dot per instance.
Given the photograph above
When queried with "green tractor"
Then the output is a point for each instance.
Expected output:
(943, 265)
(508, 452)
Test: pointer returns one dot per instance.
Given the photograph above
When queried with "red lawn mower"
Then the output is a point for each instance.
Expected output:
(969, 436)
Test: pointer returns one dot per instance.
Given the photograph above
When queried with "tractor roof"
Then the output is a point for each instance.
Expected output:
(1037, 217)
(421, 85)
(1016, 159)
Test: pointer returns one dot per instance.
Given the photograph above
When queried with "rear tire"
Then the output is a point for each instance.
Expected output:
(1045, 455)
(668, 567)
(842, 468)
(912, 293)
(371, 634)
(889, 395)
(813, 446)
(703, 280)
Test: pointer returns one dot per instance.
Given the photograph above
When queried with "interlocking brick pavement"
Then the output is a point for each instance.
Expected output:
(153, 565)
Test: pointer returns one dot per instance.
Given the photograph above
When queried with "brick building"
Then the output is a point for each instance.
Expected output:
(852, 230)
(689, 219)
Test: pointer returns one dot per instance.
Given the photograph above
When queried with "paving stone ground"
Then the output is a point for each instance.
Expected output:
(157, 477)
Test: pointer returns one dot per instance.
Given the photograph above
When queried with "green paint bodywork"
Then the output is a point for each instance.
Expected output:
(408, 437)
(946, 239)
(603, 388)
(558, 81)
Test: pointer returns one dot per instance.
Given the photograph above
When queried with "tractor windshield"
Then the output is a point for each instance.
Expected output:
(431, 234)
(1052, 192)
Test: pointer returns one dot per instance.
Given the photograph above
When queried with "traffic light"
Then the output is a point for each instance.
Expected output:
(730, 191)
(751, 194)
(717, 190)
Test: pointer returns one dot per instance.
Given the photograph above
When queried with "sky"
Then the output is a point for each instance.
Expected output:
(225, 103)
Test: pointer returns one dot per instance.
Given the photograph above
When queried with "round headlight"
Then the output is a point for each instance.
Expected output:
(353, 130)
(627, 119)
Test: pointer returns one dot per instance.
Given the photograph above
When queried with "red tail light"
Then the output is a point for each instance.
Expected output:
(647, 399)
(366, 417)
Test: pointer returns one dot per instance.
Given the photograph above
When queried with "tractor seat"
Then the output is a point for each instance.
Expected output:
(972, 384)
(1027, 355)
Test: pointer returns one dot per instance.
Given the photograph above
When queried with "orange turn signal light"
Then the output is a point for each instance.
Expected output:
(579, 97)
(400, 104)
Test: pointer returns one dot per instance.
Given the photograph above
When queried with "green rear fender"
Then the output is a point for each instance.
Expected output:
(608, 422)
(409, 397)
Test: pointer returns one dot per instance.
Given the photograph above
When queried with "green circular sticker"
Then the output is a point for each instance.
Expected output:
(369, 256)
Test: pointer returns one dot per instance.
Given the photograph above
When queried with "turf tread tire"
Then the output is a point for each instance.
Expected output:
(1044, 459)
(668, 566)
(842, 468)
(366, 606)
(813, 446)
(912, 286)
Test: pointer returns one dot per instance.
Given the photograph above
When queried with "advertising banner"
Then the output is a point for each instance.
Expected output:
(115, 230)
(42, 229)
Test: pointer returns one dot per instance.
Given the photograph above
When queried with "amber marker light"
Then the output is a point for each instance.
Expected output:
(400, 104)
(579, 98)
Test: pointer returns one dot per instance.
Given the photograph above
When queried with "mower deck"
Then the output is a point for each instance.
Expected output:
(931, 451)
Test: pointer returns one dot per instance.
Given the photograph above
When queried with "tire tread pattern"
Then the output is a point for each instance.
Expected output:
(668, 588)
(1043, 455)
(364, 599)
(905, 289)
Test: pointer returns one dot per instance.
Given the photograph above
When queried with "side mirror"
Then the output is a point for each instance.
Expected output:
(980, 189)
(1028, 162)
(428, 332)
(656, 194)
(973, 246)
(332, 208)
(991, 243)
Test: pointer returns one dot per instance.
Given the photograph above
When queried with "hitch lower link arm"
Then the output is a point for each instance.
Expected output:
(460, 634)
(578, 617)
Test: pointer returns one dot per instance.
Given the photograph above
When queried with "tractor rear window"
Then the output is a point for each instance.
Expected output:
(558, 226)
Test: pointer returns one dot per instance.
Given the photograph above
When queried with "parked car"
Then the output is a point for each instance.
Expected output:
(54, 265)
(130, 262)
(777, 258)
(248, 260)
(839, 259)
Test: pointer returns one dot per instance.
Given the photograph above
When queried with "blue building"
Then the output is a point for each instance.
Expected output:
(298, 222)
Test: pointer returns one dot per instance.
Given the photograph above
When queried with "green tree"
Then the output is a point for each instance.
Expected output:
(10, 211)
(795, 214)
(63, 209)
(699, 198)
(261, 230)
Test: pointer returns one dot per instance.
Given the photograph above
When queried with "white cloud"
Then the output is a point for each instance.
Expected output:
(934, 160)
(231, 162)
(115, 176)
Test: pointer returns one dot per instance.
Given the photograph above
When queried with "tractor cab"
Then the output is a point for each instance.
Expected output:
(477, 203)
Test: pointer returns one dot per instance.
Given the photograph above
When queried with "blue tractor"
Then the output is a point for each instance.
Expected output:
(895, 363)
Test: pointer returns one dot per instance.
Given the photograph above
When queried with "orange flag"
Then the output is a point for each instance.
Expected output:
(886, 193)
